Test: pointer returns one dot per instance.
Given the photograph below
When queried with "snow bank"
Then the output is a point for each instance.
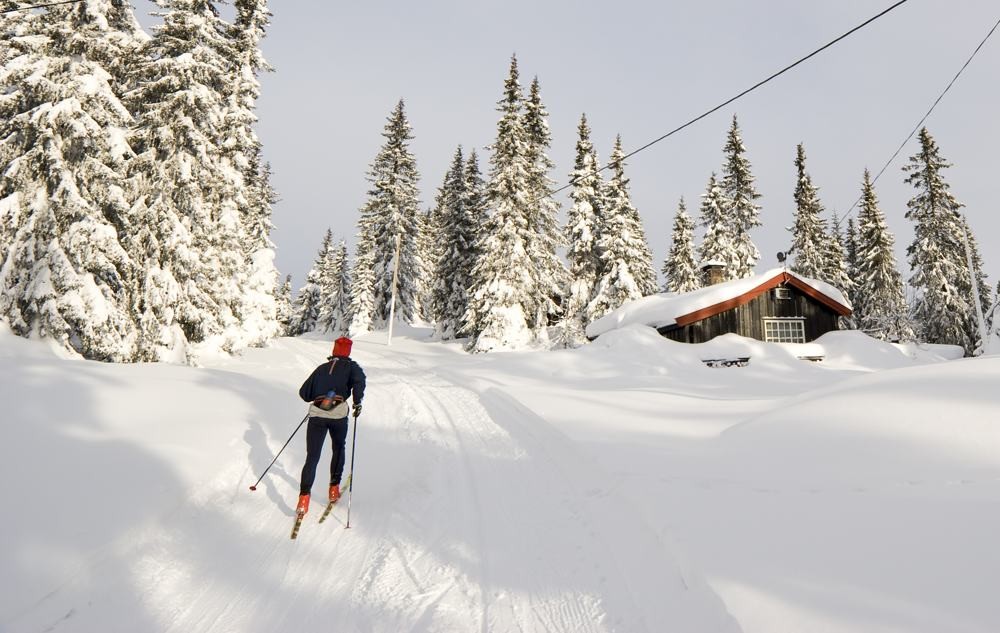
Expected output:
(622, 486)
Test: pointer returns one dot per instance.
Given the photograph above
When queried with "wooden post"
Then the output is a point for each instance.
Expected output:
(392, 300)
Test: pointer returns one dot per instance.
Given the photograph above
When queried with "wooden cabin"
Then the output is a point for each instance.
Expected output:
(778, 306)
(781, 309)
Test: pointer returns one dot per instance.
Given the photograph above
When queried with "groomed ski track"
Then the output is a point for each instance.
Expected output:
(470, 513)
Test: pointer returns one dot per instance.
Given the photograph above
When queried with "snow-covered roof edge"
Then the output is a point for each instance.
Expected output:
(664, 309)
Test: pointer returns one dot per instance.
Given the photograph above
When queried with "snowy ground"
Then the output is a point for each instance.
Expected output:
(624, 487)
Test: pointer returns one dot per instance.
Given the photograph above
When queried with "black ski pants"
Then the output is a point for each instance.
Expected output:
(316, 432)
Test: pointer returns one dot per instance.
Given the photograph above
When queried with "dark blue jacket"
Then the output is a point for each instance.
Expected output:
(341, 375)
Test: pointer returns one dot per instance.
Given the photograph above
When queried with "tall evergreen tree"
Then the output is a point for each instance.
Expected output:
(106, 32)
(283, 306)
(835, 270)
(740, 195)
(808, 232)
(362, 309)
(389, 223)
(63, 273)
(457, 235)
(428, 252)
(944, 308)
(851, 246)
(880, 307)
(991, 316)
(335, 289)
(626, 262)
(501, 309)
(583, 233)
(434, 250)
(679, 268)
(308, 303)
(717, 243)
(255, 303)
(475, 192)
(543, 230)
(181, 188)
(326, 279)
(474, 228)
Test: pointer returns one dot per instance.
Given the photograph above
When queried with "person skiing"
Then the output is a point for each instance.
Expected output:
(327, 390)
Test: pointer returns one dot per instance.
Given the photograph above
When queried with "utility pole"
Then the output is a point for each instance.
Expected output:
(392, 299)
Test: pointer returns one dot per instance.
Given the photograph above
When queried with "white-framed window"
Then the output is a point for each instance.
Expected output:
(785, 330)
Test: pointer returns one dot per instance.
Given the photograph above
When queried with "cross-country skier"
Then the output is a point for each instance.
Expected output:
(327, 390)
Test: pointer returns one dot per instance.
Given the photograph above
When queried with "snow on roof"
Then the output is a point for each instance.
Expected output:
(666, 308)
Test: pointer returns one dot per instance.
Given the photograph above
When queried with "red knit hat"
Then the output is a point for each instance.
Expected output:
(342, 346)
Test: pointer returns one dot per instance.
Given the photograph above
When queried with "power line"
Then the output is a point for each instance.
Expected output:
(750, 89)
(41, 6)
(926, 116)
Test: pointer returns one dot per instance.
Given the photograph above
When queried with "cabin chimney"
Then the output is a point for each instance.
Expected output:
(713, 272)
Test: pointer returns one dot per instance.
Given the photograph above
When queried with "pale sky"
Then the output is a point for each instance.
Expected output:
(639, 69)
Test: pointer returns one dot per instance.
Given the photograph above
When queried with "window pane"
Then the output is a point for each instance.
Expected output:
(785, 330)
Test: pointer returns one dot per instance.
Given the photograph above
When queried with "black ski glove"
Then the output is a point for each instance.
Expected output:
(357, 409)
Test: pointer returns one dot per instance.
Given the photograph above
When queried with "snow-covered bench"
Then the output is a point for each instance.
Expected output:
(740, 361)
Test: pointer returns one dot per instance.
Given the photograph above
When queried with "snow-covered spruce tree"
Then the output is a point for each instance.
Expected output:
(283, 306)
(362, 308)
(835, 270)
(308, 303)
(626, 263)
(740, 197)
(432, 249)
(428, 252)
(944, 311)
(63, 273)
(981, 285)
(474, 224)
(335, 290)
(325, 276)
(808, 231)
(880, 307)
(13, 28)
(180, 180)
(994, 312)
(584, 223)
(850, 243)
(544, 232)
(679, 268)
(501, 308)
(251, 178)
(390, 222)
(456, 236)
(475, 193)
(717, 243)
(118, 48)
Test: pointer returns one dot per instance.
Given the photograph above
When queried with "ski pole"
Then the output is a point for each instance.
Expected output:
(350, 487)
(254, 487)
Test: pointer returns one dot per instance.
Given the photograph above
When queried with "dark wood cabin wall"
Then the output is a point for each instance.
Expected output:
(748, 319)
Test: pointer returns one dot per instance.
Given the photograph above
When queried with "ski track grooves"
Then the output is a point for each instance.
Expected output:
(467, 428)
(474, 514)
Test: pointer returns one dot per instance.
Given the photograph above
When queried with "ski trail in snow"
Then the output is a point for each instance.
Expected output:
(519, 489)
(471, 514)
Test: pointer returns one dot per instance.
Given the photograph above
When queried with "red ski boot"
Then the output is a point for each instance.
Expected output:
(303, 506)
(334, 492)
